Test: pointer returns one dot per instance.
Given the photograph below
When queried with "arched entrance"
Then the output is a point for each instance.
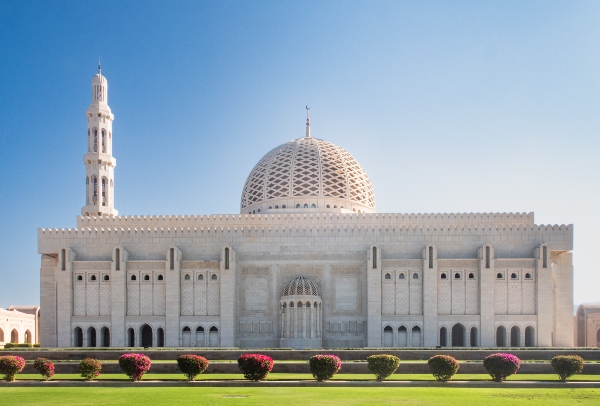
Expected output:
(200, 337)
(443, 337)
(78, 337)
(458, 335)
(14, 336)
(388, 336)
(186, 337)
(160, 337)
(501, 336)
(130, 337)
(28, 336)
(105, 337)
(146, 333)
(91, 337)
(515, 336)
(415, 340)
(474, 337)
(1, 335)
(402, 337)
(213, 337)
(529, 337)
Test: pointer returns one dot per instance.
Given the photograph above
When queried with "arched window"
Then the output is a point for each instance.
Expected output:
(402, 336)
(528, 276)
(306, 205)
(283, 206)
(474, 337)
(160, 337)
(270, 207)
(200, 277)
(92, 277)
(146, 277)
(499, 275)
(276, 206)
(388, 276)
(298, 206)
(200, 329)
(28, 338)
(95, 182)
(91, 337)
(214, 277)
(186, 277)
(313, 206)
(415, 276)
(443, 276)
(328, 206)
(388, 336)
(160, 277)
(95, 149)
(79, 277)
(471, 275)
(214, 329)
(515, 336)
(457, 275)
(415, 340)
(186, 329)
(103, 141)
(106, 278)
(133, 277)
(401, 276)
(530, 336)
(513, 276)
(103, 191)
(104, 337)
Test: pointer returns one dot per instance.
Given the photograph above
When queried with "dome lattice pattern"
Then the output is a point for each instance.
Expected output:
(308, 167)
(300, 286)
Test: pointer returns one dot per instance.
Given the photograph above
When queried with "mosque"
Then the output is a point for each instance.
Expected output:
(307, 263)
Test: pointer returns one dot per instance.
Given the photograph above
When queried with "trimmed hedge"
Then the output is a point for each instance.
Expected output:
(90, 368)
(192, 365)
(10, 365)
(383, 365)
(443, 367)
(501, 365)
(567, 365)
(135, 365)
(45, 367)
(324, 367)
(255, 367)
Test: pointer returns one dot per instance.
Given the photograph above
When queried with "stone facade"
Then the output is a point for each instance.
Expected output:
(246, 280)
(19, 324)
(587, 326)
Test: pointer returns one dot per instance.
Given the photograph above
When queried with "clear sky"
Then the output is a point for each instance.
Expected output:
(450, 106)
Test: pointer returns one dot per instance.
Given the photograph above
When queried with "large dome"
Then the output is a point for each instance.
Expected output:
(308, 174)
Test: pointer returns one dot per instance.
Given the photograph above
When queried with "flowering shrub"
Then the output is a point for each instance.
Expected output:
(443, 367)
(324, 367)
(90, 368)
(10, 365)
(45, 367)
(501, 365)
(383, 365)
(567, 365)
(255, 367)
(192, 365)
(135, 365)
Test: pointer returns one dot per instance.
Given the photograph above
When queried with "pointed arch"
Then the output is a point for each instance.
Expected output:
(160, 337)
(443, 337)
(27, 338)
(501, 336)
(402, 336)
(104, 337)
(91, 337)
(530, 336)
(416, 337)
(130, 337)
(77, 337)
(515, 336)
(388, 336)
(474, 336)
(458, 335)
(146, 335)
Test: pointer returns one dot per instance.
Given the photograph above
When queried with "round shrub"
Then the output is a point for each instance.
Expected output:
(90, 368)
(45, 367)
(567, 365)
(192, 365)
(255, 367)
(10, 365)
(135, 365)
(501, 365)
(324, 367)
(383, 365)
(443, 367)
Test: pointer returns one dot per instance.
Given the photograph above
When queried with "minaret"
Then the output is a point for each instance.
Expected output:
(99, 162)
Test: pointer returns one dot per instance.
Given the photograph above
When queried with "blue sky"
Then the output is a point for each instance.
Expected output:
(451, 106)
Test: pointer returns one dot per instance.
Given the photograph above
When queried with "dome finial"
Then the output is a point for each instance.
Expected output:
(307, 121)
(99, 67)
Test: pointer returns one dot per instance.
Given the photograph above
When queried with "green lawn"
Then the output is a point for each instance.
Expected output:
(340, 376)
(296, 396)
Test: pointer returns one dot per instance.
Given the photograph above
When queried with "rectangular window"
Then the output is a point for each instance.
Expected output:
(430, 257)
(545, 257)
(487, 257)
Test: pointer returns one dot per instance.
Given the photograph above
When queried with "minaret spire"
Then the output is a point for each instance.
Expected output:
(307, 121)
(98, 160)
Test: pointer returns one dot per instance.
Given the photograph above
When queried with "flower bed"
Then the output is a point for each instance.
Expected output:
(255, 367)
(501, 365)
(135, 365)
(192, 365)
(10, 365)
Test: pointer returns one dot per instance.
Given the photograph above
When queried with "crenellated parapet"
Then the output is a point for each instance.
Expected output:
(337, 219)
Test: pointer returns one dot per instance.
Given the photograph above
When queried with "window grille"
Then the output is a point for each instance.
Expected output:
(545, 259)
(172, 258)
(226, 258)
(118, 260)
(430, 257)
(63, 258)
(374, 257)
(487, 257)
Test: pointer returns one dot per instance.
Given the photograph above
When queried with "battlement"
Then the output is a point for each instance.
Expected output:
(309, 219)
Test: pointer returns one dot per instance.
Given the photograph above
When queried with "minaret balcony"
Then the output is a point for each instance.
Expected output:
(94, 157)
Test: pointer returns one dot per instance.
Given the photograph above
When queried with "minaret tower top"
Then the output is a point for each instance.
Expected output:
(98, 160)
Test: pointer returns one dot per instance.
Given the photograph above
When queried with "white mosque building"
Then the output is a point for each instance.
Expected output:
(307, 263)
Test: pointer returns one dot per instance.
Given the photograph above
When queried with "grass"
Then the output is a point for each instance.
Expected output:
(340, 376)
(297, 396)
